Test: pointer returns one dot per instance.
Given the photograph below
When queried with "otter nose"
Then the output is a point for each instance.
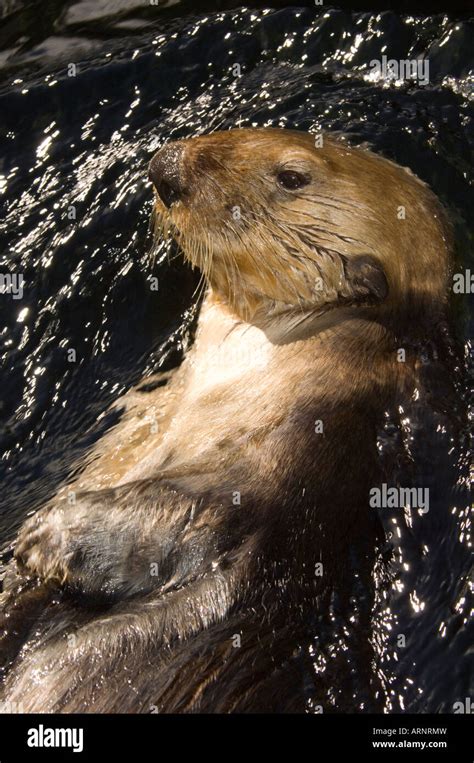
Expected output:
(165, 172)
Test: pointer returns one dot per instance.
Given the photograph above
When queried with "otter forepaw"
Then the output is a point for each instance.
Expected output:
(44, 547)
(84, 545)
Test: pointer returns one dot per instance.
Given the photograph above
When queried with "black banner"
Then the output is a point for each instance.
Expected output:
(102, 737)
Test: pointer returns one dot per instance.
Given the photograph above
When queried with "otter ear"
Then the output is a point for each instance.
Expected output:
(366, 278)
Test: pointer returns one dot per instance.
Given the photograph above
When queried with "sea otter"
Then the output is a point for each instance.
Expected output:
(185, 569)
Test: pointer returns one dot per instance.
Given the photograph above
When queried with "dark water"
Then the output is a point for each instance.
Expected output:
(75, 213)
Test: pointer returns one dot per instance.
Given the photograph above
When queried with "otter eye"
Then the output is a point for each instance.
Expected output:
(292, 180)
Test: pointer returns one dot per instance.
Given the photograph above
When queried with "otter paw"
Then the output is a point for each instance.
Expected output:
(44, 547)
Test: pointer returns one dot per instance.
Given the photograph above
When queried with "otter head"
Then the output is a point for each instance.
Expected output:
(280, 224)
